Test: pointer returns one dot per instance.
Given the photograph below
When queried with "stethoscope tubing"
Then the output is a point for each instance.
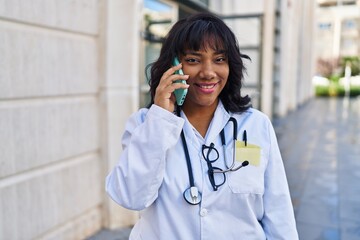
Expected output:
(192, 195)
(223, 142)
(188, 162)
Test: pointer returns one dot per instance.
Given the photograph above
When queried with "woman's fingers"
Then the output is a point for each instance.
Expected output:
(164, 96)
(171, 71)
(169, 77)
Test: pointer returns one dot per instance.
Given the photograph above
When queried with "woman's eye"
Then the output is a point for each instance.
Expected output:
(191, 60)
(221, 59)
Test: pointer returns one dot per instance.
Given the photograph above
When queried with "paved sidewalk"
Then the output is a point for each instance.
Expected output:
(118, 234)
(320, 145)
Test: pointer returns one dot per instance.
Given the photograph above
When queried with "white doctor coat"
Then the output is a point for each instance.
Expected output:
(151, 176)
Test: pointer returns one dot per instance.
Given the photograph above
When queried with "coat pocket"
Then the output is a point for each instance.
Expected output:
(248, 179)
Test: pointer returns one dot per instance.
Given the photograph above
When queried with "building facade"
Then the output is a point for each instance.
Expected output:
(338, 29)
(71, 73)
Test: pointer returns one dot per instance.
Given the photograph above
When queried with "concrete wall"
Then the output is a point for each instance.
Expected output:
(68, 82)
(297, 54)
(307, 56)
(119, 94)
(49, 119)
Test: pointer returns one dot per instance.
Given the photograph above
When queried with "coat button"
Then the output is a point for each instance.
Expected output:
(203, 212)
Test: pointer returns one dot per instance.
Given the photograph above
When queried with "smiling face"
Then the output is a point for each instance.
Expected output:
(209, 71)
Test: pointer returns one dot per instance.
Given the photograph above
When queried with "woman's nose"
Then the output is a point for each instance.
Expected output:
(207, 71)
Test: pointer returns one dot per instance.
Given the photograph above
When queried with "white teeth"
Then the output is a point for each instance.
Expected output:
(207, 86)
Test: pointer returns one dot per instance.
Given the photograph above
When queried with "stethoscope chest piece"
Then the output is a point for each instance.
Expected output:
(192, 195)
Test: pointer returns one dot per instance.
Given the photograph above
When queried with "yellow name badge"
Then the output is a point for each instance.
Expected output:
(250, 153)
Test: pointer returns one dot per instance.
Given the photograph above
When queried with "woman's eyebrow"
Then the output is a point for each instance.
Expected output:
(199, 54)
(193, 53)
(221, 51)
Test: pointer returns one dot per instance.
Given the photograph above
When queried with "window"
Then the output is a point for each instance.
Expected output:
(325, 26)
(158, 17)
(349, 24)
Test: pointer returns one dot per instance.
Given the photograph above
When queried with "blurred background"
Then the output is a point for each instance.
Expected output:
(72, 71)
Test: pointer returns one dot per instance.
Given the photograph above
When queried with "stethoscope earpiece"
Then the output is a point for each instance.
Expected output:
(192, 195)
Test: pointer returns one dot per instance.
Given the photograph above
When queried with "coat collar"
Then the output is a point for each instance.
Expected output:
(219, 121)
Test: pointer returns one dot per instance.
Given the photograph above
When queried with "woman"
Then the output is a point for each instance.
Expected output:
(181, 166)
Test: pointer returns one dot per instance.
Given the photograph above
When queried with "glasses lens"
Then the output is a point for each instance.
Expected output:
(210, 153)
(216, 179)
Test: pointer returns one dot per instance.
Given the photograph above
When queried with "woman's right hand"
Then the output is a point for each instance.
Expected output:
(164, 94)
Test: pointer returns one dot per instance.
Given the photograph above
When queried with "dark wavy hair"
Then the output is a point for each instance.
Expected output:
(194, 33)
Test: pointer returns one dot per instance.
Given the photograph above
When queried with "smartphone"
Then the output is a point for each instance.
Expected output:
(180, 93)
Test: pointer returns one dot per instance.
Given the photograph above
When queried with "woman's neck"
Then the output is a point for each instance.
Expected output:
(200, 117)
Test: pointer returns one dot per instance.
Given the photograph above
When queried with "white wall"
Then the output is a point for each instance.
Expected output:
(68, 82)
(119, 92)
(307, 56)
(49, 119)
(236, 6)
(297, 54)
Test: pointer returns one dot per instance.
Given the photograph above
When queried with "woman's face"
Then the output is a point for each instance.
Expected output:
(209, 71)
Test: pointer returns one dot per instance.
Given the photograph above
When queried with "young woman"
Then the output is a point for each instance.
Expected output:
(211, 168)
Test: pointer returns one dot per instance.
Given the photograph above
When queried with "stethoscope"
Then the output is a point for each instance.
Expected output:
(192, 194)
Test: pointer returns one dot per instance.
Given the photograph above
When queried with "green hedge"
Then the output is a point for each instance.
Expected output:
(335, 90)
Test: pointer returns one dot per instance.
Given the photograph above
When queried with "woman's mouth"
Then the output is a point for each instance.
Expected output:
(206, 88)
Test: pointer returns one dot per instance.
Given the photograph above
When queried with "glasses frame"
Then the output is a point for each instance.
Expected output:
(211, 169)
